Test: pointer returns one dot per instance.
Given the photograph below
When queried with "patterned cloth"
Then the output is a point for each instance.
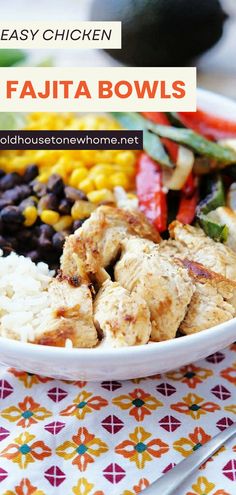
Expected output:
(78, 438)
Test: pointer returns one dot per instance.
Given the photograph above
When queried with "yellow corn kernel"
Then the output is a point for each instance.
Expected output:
(125, 158)
(101, 181)
(50, 217)
(65, 164)
(19, 163)
(101, 168)
(43, 177)
(76, 164)
(30, 213)
(64, 223)
(88, 157)
(119, 179)
(86, 185)
(100, 196)
(77, 176)
(58, 169)
(82, 209)
(105, 156)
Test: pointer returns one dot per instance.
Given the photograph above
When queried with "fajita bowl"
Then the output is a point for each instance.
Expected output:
(102, 364)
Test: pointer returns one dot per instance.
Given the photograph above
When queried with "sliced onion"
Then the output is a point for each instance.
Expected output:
(231, 197)
(226, 216)
(175, 180)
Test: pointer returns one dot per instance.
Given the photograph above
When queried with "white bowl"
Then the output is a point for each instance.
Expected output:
(130, 362)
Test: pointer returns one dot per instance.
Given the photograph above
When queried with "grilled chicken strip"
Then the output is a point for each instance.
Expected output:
(210, 304)
(192, 243)
(97, 242)
(165, 286)
(123, 317)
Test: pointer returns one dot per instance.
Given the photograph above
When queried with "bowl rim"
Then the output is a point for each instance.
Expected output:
(101, 352)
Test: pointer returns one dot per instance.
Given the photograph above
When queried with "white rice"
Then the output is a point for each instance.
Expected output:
(23, 296)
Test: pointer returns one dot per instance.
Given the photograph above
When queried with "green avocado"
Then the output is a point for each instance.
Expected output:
(162, 32)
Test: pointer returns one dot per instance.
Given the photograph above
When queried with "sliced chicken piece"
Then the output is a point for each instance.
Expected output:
(123, 317)
(97, 242)
(165, 286)
(210, 304)
(192, 243)
(68, 315)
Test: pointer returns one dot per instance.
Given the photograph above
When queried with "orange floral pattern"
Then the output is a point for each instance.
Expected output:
(25, 488)
(140, 448)
(138, 402)
(191, 375)
(28, 379)
(231, 408)
(78, 438)
(27, 413)
(82, 449)
(230, 374)
(23, 451)
(142, 484)
(195, 406)
(84, 403)
(187, 446)
(205, 487)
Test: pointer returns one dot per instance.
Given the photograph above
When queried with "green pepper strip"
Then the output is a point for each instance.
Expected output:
(216, 198)
(151, 142)
(197, 143)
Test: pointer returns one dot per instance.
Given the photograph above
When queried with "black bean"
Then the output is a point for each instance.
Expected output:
(11, 195)
(24, 191)
(5, 245)
(65, 206)
(25, 234)
(58, 241)
(73, 194)
(9, 181)
(55, 184)
(44, 242)
(30, 201)
(12, 228)
(11, 241)
(2, 242)
(77, 224)
(48, 202)
(46, 230)
(34, 240)
(18, 193)
(5, 202)
(31, 173)
(33, 255)
(39, 188)
(12, 214)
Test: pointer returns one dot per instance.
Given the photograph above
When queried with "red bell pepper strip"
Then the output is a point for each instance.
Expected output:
(161, 118)
(188, 201)
(210, 126)
(189, 186)
(152, 199)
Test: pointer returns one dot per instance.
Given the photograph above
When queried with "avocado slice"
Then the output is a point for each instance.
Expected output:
(162, 32)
